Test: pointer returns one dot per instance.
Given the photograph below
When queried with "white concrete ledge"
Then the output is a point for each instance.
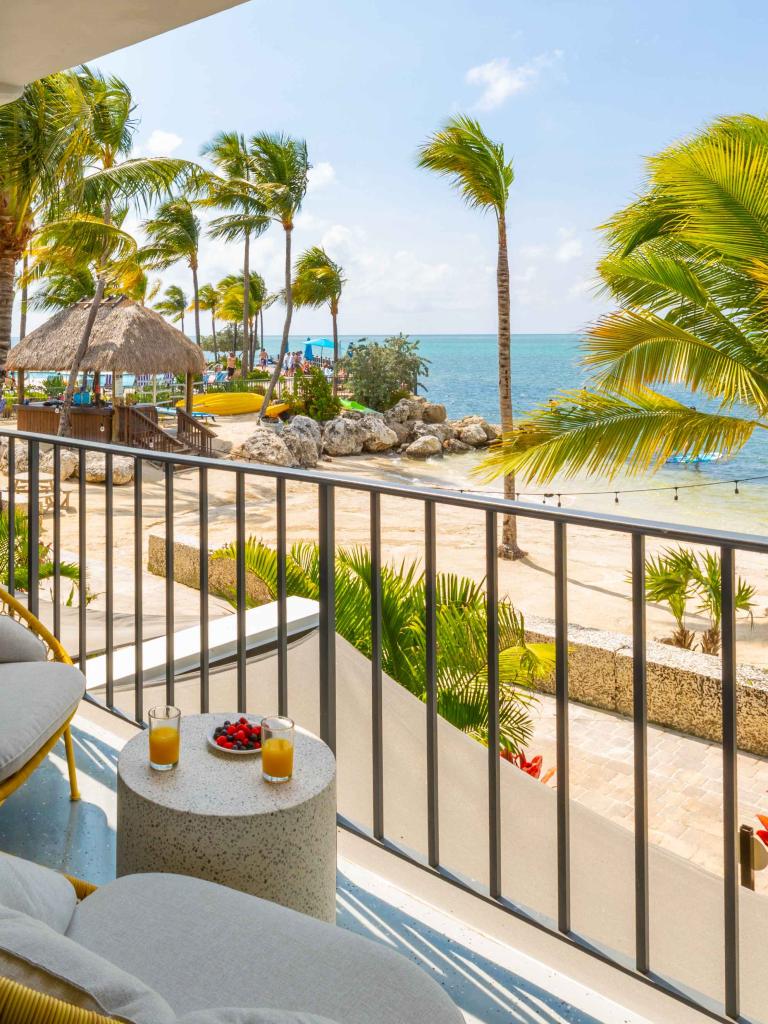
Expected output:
(260, 631)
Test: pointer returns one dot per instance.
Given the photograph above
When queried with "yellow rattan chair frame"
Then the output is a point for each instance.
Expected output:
(56, 652)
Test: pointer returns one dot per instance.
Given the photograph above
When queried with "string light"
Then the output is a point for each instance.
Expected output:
(676, 494)
(736, 488)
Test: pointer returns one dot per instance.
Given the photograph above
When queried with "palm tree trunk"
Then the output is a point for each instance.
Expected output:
(246, 294)
(82, 348)
(213, 331)
(335, 350)
(261, 321)
(196, 304)
(24, 298)
(286, 326)
(7, 274)
(509, 548)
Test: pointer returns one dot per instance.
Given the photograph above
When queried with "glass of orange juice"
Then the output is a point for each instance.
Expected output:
(164, 737)
(277, 749)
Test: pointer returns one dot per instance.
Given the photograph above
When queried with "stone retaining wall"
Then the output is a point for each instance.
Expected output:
(684, 687)
(186, 569)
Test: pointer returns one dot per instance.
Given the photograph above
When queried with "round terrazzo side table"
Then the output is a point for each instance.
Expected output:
(214, 817)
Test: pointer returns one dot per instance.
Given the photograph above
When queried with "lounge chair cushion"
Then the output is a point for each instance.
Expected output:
(35, 701)
(40, 958)
(236, 1015)
(209, 941)
(41, 893)
(17, 643)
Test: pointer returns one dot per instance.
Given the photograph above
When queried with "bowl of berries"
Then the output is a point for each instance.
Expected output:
(237, 736)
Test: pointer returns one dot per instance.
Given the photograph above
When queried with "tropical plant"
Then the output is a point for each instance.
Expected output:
(174, 235)
(313, 395)
(173, 305)
(209, 299)
(19, 555)
(678, 575)
(319, 282)
(461, 633)
(479, 170)
(233, 191)
(231, 303)
(688, 263)
(281, 166)
(381, 372)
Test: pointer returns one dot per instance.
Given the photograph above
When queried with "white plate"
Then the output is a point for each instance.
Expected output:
(224, 750)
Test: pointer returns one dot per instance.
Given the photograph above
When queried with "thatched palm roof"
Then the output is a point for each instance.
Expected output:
(126, 338)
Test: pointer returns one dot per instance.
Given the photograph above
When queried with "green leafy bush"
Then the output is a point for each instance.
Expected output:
(313, 395)
(381, 372)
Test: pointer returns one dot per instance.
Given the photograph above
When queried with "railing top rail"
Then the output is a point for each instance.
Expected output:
(478, 502)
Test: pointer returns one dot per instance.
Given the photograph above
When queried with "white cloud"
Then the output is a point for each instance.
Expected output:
(569, 249)
(584, 286)
(320, 176)
(161, 143)
(499, 80)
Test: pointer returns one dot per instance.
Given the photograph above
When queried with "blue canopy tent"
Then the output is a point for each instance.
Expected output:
(319, 343)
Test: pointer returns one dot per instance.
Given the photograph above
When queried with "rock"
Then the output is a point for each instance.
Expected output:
(433, 412)
(342, 436)
(453, 446)
(423, 447)
(442, 431)
(474, 435)
(264, 446)
(302, 437)
(96, 468)
(403, 431)
(399, 413)
(491, 431)
(377, 436)
(68, 461)
(20, 462)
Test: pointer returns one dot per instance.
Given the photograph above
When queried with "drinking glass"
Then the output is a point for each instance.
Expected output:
(164, 737)
(277, 749)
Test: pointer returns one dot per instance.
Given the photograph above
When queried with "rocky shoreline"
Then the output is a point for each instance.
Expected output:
(413, 427)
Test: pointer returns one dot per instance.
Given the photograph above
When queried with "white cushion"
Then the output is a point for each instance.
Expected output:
(113, 990)
(37, 891)
(17, 643)
(35, 701)
(195, 942)
(235, 1015)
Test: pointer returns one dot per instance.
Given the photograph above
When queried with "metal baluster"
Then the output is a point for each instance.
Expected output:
(327, 616)
(282, 602)
(561, 705)
(109, 510)
(170, 570)
(240, 583)
(57, 541)
(82, 541)
(430, 591)
(11, 515)
(33, 527)
(205, 660)
(730, 791)
(640, 717)
(377, 724)
(494, 762)
(138, 594)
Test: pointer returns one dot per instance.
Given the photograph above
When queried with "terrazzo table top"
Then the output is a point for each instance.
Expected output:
(206, 782)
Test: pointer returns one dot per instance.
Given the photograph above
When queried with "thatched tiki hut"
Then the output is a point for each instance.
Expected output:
(126, 338)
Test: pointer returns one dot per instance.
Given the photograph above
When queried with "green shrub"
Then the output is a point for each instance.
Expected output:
(313, 395)
(380, 373)
(54, 386)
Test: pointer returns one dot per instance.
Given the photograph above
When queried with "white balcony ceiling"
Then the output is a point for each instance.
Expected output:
(38, 37)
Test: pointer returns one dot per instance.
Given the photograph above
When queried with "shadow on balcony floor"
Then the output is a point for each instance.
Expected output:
(40, 823)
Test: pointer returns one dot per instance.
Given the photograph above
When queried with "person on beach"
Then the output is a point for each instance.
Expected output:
(231, 365)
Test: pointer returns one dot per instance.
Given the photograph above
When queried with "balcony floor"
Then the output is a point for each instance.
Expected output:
(490, 981)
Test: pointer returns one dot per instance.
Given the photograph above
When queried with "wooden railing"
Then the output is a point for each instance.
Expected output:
(139, 431)
(193, 434)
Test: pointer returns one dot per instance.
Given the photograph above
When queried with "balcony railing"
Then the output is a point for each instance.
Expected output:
(327, 487)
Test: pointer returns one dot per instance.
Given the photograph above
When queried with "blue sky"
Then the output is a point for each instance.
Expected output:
(578, 90)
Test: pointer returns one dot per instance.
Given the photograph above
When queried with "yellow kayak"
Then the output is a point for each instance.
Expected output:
(233, 403)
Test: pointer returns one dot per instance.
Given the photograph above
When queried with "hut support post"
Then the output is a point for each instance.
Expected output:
(188, 393)
(21, 387)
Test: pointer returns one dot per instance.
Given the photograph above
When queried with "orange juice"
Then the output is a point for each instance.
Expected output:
(164, 744)
(277, 757)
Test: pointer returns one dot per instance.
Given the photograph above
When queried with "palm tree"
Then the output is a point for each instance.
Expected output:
(281, 166)
(319, 282)
(174, 234)
(174, 305)
(688, 263)
(209, 299)
(231, 290)
(233, 191)
(462, 658)
(479, 171)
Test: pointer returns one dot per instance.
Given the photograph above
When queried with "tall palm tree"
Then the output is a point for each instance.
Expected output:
(480, 172)
(209, 299)
(173, 305)
(281, 166)
(231, 290)
(232, 190)
(688, 263)
(174, 235)
(318, 282)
